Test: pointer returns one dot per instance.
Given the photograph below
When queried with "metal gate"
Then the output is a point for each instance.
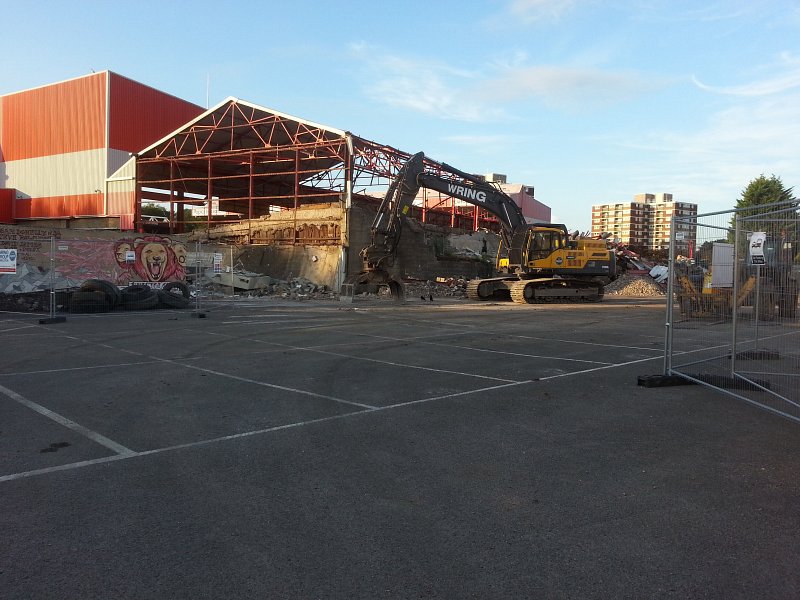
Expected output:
(732, 304)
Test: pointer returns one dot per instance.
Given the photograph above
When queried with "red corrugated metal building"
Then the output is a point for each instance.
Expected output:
(61, 144)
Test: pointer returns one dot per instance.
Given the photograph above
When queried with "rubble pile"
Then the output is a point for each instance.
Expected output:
(25, 302)
(28, 290)
(441, 288)
(634, 285)
(295, 288)
(299, 288)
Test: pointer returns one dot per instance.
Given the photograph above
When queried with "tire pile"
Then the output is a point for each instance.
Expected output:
(99, 295)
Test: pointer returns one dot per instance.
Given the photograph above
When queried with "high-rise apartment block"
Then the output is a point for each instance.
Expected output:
(644, 223)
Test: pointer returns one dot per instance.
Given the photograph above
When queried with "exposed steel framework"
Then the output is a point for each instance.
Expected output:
(254, 161)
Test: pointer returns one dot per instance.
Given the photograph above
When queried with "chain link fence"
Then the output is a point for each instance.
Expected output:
(732, 304)
(51, 272)
(29, 279)
(54, 274)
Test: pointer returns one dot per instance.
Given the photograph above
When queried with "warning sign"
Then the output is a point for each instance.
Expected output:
(8, 260)
(757, 247)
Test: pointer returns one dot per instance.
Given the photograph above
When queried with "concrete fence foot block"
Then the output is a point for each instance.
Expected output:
(51, 320)
(662, 380)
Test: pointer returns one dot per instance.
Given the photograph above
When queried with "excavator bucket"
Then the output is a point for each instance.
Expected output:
(367, 281)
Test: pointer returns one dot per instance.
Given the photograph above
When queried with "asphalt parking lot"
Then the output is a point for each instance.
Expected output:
(279, 449)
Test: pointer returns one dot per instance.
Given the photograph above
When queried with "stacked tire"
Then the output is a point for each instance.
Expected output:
(174, 294)
(139, 297)
(95, 296)
(99, 295)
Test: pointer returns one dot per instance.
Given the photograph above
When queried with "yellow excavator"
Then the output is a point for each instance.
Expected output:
(536, 262)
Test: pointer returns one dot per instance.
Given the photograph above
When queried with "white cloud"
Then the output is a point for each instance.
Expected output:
(712, 165)
(481, 141)
(439, 90)
(568, 87)
(426, 86)
(693, 12)
(787, 80)
(539, 10)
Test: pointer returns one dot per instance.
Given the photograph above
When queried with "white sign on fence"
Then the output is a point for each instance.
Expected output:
(8, 260)
(757, 247)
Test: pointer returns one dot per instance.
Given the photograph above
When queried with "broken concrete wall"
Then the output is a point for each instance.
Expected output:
(426, 251)
(316, 225)
(288, 244)
(319, 264)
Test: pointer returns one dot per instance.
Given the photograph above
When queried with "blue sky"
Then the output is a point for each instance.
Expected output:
(589, 101)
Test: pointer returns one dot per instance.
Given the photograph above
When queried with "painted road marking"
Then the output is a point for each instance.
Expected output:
(235, 436)
(53, 416)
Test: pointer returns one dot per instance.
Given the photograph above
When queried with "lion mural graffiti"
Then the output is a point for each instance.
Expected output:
(156, 259)
(146, 258)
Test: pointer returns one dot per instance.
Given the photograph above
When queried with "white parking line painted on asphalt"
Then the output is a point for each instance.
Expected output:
(598, 344)
(258, 322)
(53, 416)
(271, 315)
(93, 367)
(235, 436)
(6, 330)
(263, 383)
(66, 467)
(520, 354)
(364, 408)
(397, 364)
(424, 340)
(373, 360)
(455, 394)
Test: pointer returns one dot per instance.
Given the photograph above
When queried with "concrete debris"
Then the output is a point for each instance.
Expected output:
(660, 273)
(296, 288)
(635, 285)
(240, 280)
(443, 287)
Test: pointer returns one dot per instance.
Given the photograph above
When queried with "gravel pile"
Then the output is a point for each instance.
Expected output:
(635, 285)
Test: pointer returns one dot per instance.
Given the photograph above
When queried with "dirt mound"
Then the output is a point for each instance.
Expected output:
(635, 285)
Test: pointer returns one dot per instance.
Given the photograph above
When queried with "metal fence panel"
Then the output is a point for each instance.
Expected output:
(30, 281)
(732, 310)
(54, 273)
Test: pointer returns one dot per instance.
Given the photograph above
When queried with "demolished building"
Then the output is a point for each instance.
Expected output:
(300, 196)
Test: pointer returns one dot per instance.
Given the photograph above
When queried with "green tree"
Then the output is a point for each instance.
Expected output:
(154, 210)
(763, 190)
(757, 198)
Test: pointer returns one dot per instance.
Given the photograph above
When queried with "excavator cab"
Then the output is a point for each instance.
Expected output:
(543, 243)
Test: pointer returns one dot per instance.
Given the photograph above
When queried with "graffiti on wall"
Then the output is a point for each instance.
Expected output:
(146, 258)
(28, 242)
(151, 258)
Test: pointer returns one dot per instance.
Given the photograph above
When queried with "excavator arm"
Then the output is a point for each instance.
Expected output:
(388, 223)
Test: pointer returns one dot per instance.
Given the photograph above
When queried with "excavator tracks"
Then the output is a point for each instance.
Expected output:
(535, 291)
(542, 291)
(493, 288)
(474, 291)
